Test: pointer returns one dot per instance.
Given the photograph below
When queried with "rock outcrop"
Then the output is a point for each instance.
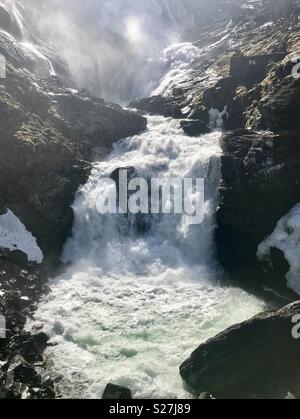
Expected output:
(114, 392)
(22, 365)
(260, 183)
(256, 359)
(48, 136)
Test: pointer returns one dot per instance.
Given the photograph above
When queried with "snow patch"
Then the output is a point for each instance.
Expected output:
(286, 237)
(15, 236)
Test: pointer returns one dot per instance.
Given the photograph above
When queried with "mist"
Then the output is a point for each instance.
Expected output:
(112, 47)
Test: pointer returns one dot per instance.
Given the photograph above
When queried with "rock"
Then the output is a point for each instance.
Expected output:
(21, 288)
(250, 70)
(100, 123)
(260, 178)
(194, 128)
(114, 392)
(158, 105)
(255, 359)
(33, 347)
(16, 256)
(26, 375)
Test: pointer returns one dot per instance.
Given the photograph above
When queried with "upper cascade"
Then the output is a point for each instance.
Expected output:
(11, 18)
(18, 42)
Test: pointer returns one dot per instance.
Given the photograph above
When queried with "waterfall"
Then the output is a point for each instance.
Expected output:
(29, 47)
(135, 302)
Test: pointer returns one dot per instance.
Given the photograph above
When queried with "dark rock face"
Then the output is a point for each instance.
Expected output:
(250, 70)
(159, 105)
(194, 128)
(256, 359)
(280, 109)
(260, 178)
(22, 372)
(113, 392)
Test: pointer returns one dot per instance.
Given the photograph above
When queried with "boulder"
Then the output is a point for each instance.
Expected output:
(16, 256)
(194, 128)
(159, 105)
(255, 359)
(114, 392)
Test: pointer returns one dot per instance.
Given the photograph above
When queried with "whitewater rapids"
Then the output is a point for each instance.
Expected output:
(134, 304)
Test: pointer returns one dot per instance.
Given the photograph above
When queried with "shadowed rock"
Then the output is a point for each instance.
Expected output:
(114, 392)
(194, 128)
(255, 359)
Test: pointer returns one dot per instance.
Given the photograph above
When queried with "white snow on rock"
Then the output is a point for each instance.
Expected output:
(15, 236)
(286, 237)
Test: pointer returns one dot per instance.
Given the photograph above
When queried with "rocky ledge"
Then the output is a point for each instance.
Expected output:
(255, 359)
(22, 365)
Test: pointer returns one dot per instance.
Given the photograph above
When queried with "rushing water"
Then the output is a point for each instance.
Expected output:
(133, 305)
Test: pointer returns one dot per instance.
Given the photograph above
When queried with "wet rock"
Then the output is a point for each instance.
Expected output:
(17, 257)
(280, 108)
(26, 375)
(21, 353)
(33, 347)
(8, 23)
(194, 128)
(100, 123)
(158, 105)
(260, 174)
(255, 359)
(250, 70)
(114, 392)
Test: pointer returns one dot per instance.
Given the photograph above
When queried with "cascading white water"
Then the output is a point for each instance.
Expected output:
(23, 41)
(134, 304)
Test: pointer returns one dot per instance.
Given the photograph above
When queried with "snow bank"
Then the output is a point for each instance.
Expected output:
(286, 237)
(14, 236)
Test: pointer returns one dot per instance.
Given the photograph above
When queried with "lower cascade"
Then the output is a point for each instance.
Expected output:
(134, 301)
